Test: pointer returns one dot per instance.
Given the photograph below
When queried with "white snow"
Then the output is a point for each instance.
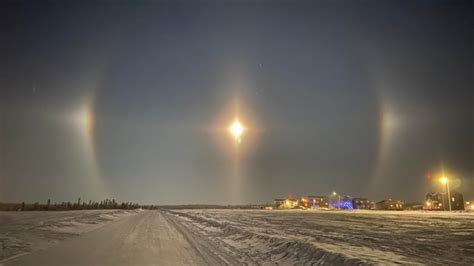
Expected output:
(349, 237)
(216, 237)
(25, 232)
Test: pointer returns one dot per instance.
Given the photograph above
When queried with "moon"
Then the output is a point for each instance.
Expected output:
(237, 130)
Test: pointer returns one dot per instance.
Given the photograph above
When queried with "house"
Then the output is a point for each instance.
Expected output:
(414, 206)
(390, 204)
(434, 201)
(286, 203)
(469, 205)
(361, 203)
(457, 201)
(439, 201)
(303, 202)
(317, 202)
(341, 202)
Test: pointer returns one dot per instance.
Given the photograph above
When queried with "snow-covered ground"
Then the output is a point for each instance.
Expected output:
(218, 237)
(24, 232)
(146, 238)
(349, 237)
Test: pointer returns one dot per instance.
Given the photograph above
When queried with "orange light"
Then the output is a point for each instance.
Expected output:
(443, 180)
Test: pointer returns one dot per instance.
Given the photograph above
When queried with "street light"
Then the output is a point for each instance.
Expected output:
(338, 199)
(445, 181)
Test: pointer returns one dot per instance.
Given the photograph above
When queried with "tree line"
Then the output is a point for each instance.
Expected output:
(78, 205)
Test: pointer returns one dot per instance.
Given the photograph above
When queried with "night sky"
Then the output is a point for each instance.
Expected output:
(132, 100)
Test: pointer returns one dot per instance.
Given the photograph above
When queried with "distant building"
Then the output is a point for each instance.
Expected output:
(341, 202)
(414, 206)
(286, 203)
(439, 201)
(279, 202)
(317, 202)
(361, 203)
(457, 201)
(434, 201)
(304, 202)
(469, 205)
(390, 204)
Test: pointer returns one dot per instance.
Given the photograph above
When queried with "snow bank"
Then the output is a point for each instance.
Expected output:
(24, 232)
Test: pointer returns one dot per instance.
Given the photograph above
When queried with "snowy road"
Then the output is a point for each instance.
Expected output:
(142, 239)
(217, 237)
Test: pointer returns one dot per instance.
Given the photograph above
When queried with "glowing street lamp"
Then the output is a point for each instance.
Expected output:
(445, 181)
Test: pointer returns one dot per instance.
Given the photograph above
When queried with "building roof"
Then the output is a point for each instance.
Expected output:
(285, 199)
(387, 200)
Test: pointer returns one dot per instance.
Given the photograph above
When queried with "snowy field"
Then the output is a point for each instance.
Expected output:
(235, 237)
(24, 232)
(349, 237)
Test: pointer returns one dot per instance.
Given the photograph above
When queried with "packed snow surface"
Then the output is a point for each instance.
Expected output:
(349, 237)
(24, 232)
(218, 237)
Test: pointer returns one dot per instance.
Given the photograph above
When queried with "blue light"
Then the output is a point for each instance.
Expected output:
(344, 204)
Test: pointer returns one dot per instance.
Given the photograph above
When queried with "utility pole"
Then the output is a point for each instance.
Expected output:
(449, 195)
(445, 181)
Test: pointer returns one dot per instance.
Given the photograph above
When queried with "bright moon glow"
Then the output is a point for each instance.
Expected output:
(236, 130)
